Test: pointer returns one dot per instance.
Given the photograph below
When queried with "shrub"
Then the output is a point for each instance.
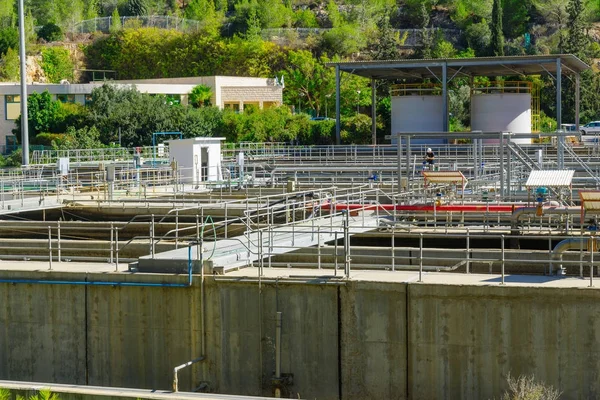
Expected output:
(57, 64)
(526, 388)
(50, 33)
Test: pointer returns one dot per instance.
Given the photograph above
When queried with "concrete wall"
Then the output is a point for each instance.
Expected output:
(42, 332)
(464, 340)
(367, 340)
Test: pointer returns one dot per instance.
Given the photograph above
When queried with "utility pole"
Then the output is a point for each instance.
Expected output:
(24, 117)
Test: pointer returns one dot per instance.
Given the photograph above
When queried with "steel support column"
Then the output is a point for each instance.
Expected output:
(561, 139)
(399, 161)
(577, 93)
(445, 96)
(502, 152)
(408, 156)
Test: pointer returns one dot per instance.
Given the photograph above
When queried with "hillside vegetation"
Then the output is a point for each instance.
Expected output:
(268, 38)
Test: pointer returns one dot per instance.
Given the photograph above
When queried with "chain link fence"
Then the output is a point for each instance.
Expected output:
(103, 24)
(412, 37)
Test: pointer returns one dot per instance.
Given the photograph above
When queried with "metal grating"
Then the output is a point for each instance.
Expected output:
(550, 178)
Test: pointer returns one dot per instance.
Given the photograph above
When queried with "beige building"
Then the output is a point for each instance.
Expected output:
(237, 93)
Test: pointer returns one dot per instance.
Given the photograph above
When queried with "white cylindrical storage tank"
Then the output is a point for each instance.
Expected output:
(501, 112)
(417, 113)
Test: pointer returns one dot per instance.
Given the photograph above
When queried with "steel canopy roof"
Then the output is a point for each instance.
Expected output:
(416, 70)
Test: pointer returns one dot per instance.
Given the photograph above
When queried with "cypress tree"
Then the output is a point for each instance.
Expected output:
(577, 40)
(497, 41)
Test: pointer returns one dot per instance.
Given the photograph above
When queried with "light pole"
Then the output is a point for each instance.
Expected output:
(358, 102)
(328, 96)
(23, 59)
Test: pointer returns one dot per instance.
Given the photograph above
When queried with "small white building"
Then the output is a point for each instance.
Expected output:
(237, 93)
(198, 159)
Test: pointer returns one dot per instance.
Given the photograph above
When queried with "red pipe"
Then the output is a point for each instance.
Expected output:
(426, 208)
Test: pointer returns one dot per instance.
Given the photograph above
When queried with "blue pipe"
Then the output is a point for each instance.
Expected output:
(99, 283)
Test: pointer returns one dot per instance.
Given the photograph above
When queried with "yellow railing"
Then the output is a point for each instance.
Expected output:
(417, 89)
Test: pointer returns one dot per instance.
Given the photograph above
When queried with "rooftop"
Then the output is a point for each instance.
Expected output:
(417, 70)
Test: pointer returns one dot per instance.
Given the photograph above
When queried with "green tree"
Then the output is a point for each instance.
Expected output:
(497, 40)
(385, 44)
(44, 113)
(577, 40)
(479, 37)
(308, 78)
(205, 12)
(200, 122)
(115, 21)
(9, 39)
(137, 7)
(200, 96)
(515, 16)
(137, 114)
(9, 66)
(555, 14)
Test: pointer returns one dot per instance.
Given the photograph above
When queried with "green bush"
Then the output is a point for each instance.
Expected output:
(356, 129)
(50, 33)
(57, 64)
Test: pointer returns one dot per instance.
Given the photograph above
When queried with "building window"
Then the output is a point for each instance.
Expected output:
(12, 107)
(87, 100)
(66, 98)
(232, 106)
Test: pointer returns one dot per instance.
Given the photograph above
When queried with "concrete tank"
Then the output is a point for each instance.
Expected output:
(418, 114)
(502, 112)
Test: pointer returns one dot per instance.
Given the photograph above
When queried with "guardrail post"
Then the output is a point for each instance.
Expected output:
(176, 229)
(346, 245)
(319, 246)
(117, 250)
(58, 239)
(335, 256)
(420, 257)
(226, 224)
(502, 256)
(468, 251)
(393, 251)
(152, 236)
(550, 266)
(50, 247)
(592, 263)
(112, 233)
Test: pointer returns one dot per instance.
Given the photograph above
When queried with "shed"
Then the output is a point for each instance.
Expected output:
(198, 159)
